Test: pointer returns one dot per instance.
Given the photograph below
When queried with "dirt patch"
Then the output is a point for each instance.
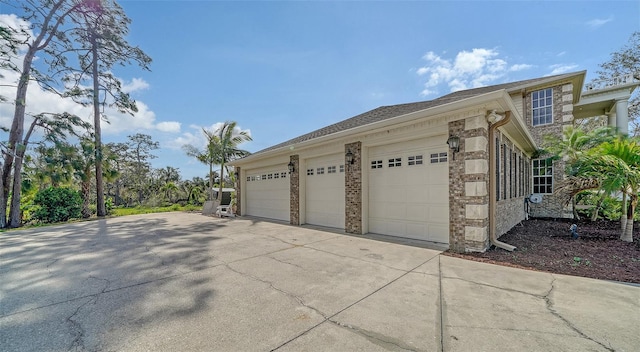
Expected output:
(547, 245)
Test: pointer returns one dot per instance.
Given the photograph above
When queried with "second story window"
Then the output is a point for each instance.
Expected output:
(542, 107)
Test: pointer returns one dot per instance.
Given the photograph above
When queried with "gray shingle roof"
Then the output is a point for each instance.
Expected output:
(387, 112)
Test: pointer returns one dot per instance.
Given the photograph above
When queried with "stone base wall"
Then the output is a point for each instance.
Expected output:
(294, 191)
(238, 191)
(353, 189)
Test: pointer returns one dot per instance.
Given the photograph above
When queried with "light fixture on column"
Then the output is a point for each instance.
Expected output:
(454, 144)
(291, 167)
(349, 157)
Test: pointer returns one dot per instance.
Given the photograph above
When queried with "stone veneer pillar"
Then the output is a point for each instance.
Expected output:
(238, 191)
(353, 189)
(468, 186)
(294, 191)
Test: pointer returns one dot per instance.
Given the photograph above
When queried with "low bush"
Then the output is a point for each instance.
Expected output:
(57, 205)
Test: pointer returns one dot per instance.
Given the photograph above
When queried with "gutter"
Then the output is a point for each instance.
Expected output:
(495, 120)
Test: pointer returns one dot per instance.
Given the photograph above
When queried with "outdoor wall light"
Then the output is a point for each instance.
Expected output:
(349, 157)
(236, 174)
(454, 143)
(291, 167)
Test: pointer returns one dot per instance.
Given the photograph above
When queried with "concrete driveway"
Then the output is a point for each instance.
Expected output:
(187, 282)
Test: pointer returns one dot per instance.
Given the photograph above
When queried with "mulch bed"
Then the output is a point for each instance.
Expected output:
(546, 245)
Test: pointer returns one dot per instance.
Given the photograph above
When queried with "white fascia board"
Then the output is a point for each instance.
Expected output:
(516, 129)
(487, 101)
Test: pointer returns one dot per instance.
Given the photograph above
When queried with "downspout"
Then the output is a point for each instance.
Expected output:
(495, 120)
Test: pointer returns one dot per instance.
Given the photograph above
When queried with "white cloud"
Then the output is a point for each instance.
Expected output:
(469, 69)
(561, 68)
(136, 84)
(197, 139)
(519, 67)
(169, 126)
(599, 22)
(22, 27)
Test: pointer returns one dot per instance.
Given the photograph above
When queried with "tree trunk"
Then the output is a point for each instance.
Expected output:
(15, 220)
(594, 215)
(210, 181)
(576, 216)
(86, 190)
(627, 234)
(221, 183)
(100, 206)
(623, 216)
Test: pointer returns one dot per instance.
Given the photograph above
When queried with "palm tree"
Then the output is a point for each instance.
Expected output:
(222, 147)
(207, 156)
(228, 138)
(571, 147)
(616, 165)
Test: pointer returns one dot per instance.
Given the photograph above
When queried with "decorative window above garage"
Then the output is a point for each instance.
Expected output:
(309, 172)
(283, 175)
(341, 168)
(321, 171)
(395, 162)
(414, 160)
(376, 164)
(438, 157)
(331, 170)
(248, 178)
(270, 176)
(276, 175)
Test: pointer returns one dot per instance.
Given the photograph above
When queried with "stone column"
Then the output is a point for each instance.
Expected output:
(238, 191)
(294, 191)
(622, 116)
(353, 189)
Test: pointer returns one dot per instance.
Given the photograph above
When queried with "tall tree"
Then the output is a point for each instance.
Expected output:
(623, 62)
(140, 147)
(207, 156)
(102, 27)
(228, 138)
(47, 17)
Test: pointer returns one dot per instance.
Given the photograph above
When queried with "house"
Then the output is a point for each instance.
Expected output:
(457, 170)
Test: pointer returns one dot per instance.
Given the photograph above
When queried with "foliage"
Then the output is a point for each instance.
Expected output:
(148, 210)
(626, 61)
(57, 205)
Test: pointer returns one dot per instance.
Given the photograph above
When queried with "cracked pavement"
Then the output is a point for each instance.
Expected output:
(187, 282)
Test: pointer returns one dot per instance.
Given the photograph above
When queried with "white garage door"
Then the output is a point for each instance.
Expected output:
(267, 193)
(409, 190)
(325, 191)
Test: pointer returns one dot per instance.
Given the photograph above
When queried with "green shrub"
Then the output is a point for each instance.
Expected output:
(57, 205)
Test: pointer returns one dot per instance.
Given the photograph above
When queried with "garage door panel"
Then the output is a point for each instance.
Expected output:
(417, 212)
(268, 197)
(410, 199)
(325, 197)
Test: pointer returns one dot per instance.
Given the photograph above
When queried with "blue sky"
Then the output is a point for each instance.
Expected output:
(284, 68)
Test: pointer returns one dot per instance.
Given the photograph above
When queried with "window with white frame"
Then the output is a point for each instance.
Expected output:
(438, 158)
(376, 164)
(309, 172)
(341, 168)
(542, 170)
(283, 175)
(414, 160)
(320, 170)
(395, 162)
(331, 169)
(542, 107)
